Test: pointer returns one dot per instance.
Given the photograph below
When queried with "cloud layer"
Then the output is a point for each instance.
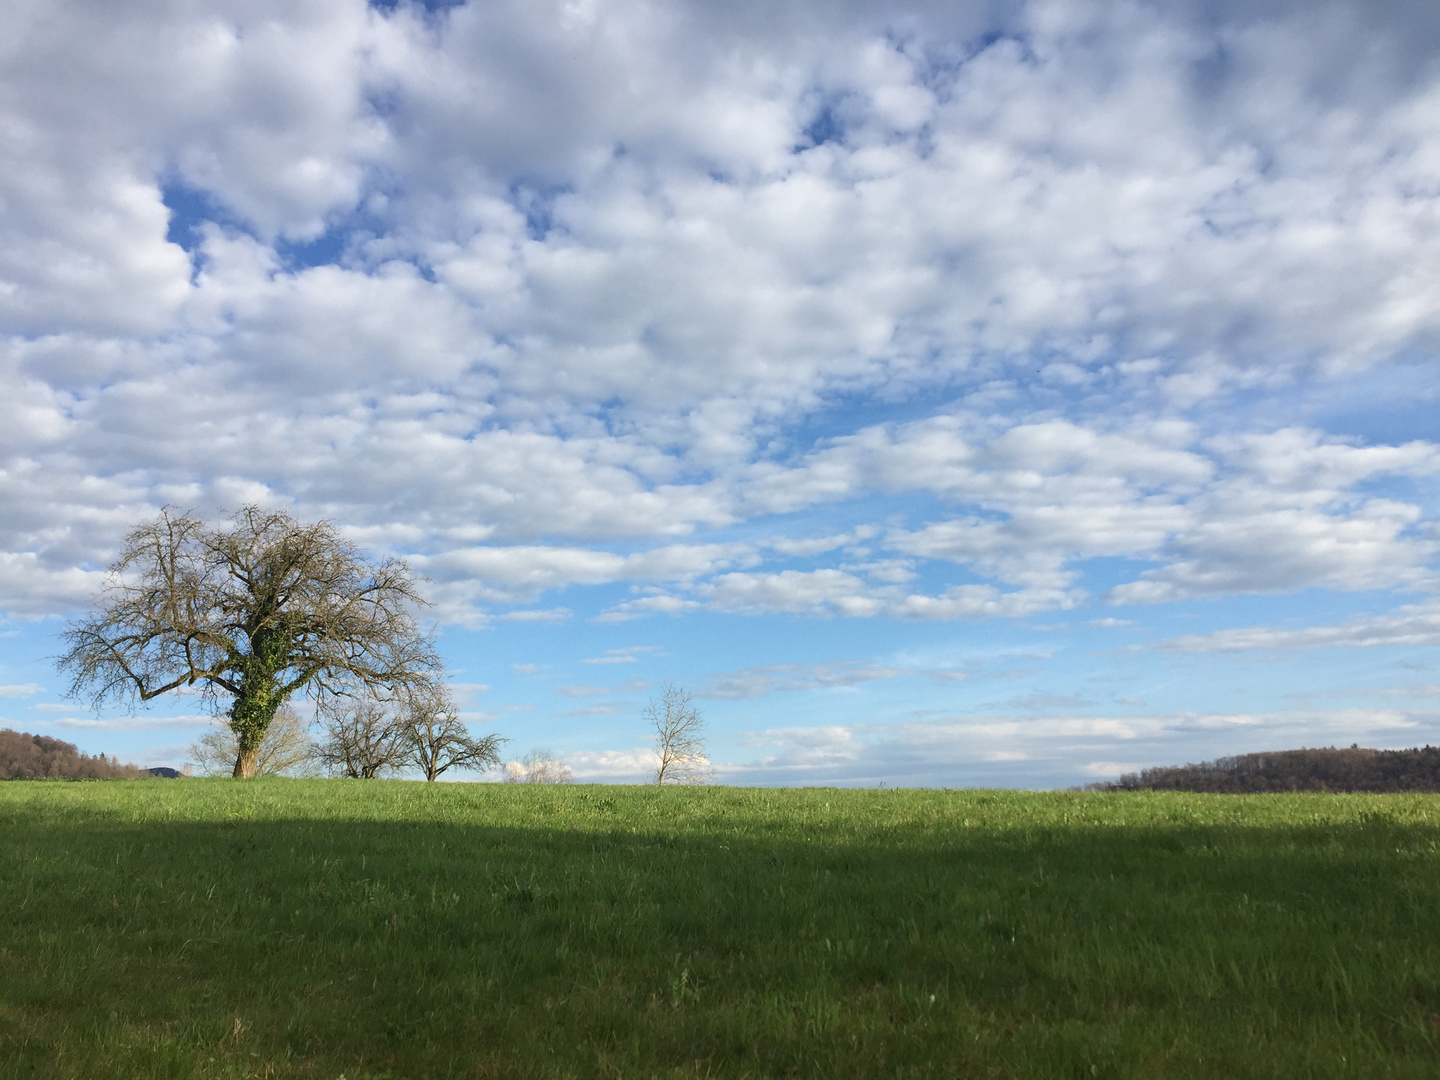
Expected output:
(506, 274)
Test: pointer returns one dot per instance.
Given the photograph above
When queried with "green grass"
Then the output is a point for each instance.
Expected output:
(333, 928)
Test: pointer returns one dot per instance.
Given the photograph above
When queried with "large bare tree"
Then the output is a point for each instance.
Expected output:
(251, 611)
(679, 737)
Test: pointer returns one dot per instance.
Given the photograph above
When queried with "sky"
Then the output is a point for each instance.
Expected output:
(952, 395)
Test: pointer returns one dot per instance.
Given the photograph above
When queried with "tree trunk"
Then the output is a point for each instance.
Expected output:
(253, 710)
(247, 764)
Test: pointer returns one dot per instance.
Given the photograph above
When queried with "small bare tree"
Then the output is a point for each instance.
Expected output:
(285, 750)
(438, 740)
(254, 610)
(679, 737)
(538, 767)
(366, 738)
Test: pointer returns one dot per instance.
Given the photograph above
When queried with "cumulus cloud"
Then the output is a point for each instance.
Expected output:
(521, 574)
(635, 765)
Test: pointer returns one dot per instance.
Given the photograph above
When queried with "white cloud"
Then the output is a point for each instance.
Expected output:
(635, 765)
(818, 545)
(130, 723)
(1422, 691)
(20, 690)
(517, 574)
(647, 605)
(628, 655)
(1111, 770)
(609, 708)
(765, 679)
(28, 586)
(1409, 625)
(629, 686)
(560, 614)
(582, 691)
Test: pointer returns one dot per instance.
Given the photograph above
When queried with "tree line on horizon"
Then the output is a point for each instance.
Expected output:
(1348, 769)
(39, 757)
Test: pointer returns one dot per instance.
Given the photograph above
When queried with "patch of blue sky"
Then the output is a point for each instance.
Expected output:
(116, 731)
(536, 198)
(829, 122)
(428, 6)
(327, 249)
(705, 642)
(841, 414)
(1390, 403)
(1211, 705)
(191, 208)
(29, 647)
(1287, 610)
(1386, 403)
(344, 240)
(1099, 574)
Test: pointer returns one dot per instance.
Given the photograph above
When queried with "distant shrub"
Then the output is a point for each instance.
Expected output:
(285, 749)
(538, 767)
(1323, 769)
(39, 757)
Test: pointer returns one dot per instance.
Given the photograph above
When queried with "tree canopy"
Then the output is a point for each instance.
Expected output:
(253, 610)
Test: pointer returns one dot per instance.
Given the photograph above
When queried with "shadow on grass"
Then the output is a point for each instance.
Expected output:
(279, 948)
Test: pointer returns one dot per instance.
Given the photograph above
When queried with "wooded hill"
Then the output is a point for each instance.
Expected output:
(1324, 769)
(39, 757)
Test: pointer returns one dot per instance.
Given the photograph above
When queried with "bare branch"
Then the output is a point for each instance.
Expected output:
(679, 737)
(365, 738)
(439, 740)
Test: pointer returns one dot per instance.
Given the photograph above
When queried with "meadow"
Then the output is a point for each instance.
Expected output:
(293, 928)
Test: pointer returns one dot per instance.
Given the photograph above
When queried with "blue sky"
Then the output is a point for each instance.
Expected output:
(957, 395)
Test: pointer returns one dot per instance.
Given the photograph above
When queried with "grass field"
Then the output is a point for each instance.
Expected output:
(337, 928)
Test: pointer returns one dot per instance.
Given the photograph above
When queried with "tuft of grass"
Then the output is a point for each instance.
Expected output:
(294, 928)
